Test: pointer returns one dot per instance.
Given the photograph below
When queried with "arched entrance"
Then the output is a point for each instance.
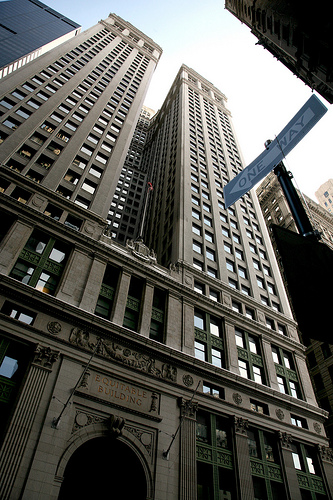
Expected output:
(104, 469)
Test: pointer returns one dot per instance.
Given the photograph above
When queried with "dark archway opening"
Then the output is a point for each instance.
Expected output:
(104, 468)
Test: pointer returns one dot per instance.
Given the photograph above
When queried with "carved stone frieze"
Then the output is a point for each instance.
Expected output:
(139, 361)
(80, 338)
(125, 355)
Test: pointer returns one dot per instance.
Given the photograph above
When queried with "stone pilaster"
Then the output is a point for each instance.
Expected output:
(188, 469)
(288, 464)
(147, 309)
(326, 459)
(17, 435)
(242, 459)
(123, 287)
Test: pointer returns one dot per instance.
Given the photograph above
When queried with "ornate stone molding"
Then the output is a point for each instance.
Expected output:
(286, 439)
(115, 425)
(237, 398)
(241, 425)
(145, 437)
(187, 407)
(326, 453)
(124, 355)
(279, 413)
(317, 428)
(188, 380)
(45, 356)
(139, 361)
(54, 327)
(139, 250)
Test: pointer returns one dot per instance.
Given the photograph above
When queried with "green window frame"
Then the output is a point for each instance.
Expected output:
(107, 292)
(41, 262)
(215, 465)
(267, 476)
(250, 360)
(208, 334)
(286, 372)
(133, 304)
(307, 467)
(157, 322)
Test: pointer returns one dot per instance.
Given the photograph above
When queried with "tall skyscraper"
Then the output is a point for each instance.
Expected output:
(28, 29)
(319, 354)
(299, 36)
(125, 214)
(168, 368)
(324, 195)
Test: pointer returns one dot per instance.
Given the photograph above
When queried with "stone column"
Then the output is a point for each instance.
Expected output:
(120, 306)
(174, 321)
(272, 377)
(326, 458)
(288, 465)
(93, 285)
(17, 435)
(12, 245)
(188, 328)
(188, 466)
(305, 380)
(231, 348)
(242, 459)
(147, 309)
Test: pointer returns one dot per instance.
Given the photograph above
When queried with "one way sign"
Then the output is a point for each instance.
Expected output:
(290, 136)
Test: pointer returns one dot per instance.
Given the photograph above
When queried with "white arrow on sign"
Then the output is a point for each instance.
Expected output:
(290, 136)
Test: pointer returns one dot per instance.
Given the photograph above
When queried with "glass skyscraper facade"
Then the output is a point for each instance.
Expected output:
(27, 28)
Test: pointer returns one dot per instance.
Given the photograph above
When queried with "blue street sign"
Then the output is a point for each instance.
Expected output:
(290, 136)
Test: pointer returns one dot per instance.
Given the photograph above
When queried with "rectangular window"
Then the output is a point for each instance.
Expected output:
(107, 292)
(133, 305)
(210, 254)
(41, 262)
(17, 312)
(197, 247)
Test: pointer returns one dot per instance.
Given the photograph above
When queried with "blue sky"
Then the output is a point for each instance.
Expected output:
(262, 94)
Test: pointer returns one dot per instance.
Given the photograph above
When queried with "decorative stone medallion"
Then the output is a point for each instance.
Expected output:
(317, 428)
(237, 398)
(54, 327)
(187, 380)
(280, 415)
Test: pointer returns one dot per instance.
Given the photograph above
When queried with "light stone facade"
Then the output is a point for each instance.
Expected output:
(103, 382)
(275, 210)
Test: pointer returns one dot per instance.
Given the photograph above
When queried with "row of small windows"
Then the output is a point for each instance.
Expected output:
(27, 152)
(209, 347)
(209, 237)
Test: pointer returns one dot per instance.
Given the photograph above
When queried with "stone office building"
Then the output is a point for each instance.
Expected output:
(276, 210)
(175, 374)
